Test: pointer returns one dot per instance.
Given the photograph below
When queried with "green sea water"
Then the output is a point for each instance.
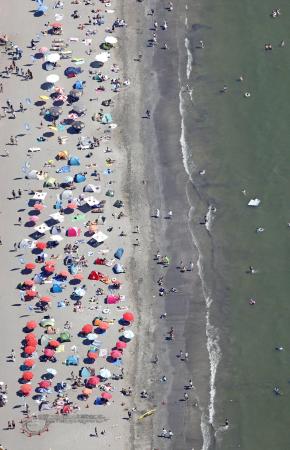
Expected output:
(244, 143)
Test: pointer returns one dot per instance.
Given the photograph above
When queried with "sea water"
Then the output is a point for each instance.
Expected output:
(236, 148)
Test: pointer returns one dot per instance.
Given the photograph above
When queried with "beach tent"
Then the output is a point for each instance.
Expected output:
(92, 188)
(56, 288)
(78, 85)
(107, 118)
(79, 178)
(73, 232)
(85, 373)
(119, 253)
(72, 360)
(93, 276)
(63, 169)
(62, 155)
(74, 161)
(66, 195)
(71, 72)
(50, 182)
(118, 268)
(47, 323)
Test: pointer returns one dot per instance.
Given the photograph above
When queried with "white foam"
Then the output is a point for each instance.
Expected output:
(189, 58)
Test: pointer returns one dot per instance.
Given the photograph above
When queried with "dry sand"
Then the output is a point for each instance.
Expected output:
(20, 24)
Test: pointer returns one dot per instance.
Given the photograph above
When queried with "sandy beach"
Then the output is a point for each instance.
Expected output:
(135, 162)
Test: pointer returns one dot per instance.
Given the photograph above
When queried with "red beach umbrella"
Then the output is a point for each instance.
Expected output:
(116, 354)
(92, 355)
(44, 384)
(41, 245)
(93, 381)
(30, 266)
(53, 344)
(72, 205)
(103, 326)
(64, 273)
(120, 345)
(29, 349)
(88, 328)
(27, 376)
(128, 316)
(45, 299)
(32, 342)
(49, 269)
(25, 389)
(38, 206)
(29, 362)
(31, 325)
(78, 276)
(31, 293)
(48, 352)
(106, 395)
(56, 25)
(28, 283)
(30, 336)
(33, 219)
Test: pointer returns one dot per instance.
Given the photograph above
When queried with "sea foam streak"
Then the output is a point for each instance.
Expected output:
(212, 344)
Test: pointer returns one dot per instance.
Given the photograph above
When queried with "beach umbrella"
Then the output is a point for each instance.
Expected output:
(88, 328)
(111, 40)
(29, 362)
(39, 206)
(78, 276)
(45, 299)
(79, 108)
(102, 57)
(30, 336)
(64, 336)
(49, 269)
(128, 316)
(72, 205)
(52, 57)
(27, 376)
(29, 349)
(75, 93)
(51, 371)
(31, 294)
(28, 283)
(103, 326)
(53, 344)
(25, 389)
(78, 125)
(44, 384)
(121, 344)
(93, 381)
(54, 111)
(47, 323)
(86, 391)
(50, 262)
(43, 50)
(31, 341)
(116, 354)
(56, 25)
(128, 334)
(92, 355)
(41, 245)
(64, 273)
(105, 373)
(52, 78)
(30, 266)
(106, 396)
(92, 336)
(48, 352)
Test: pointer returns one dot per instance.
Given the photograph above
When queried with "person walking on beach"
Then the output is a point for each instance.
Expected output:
(13, 425)
(14, 194)
(163, 432)
(21, 108)
(96, 432)
(13, 356)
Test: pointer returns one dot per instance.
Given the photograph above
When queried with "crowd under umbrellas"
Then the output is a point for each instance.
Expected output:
(61, 241)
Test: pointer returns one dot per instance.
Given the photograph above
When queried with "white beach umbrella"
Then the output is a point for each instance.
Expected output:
(52, 78)
(52, 57)
(105, 373)
(128, 334)
(102, 57)
(111, 40)
(92, 336)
